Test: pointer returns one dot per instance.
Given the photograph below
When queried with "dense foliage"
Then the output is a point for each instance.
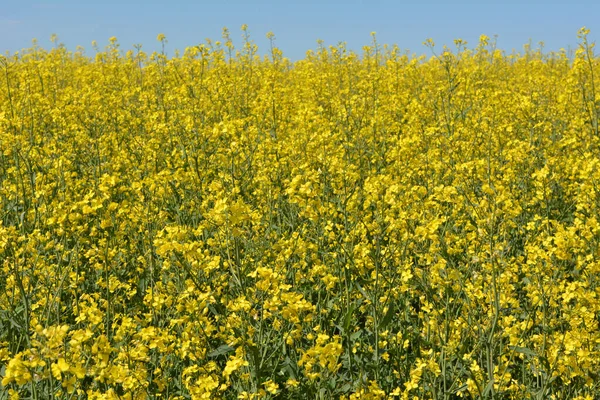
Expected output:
(219, 224)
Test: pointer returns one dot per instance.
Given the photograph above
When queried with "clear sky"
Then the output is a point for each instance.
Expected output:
(297, 24)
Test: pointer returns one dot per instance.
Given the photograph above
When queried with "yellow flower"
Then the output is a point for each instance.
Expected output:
(233, 364)
(16, 371)
(59, 367)
(292, 383)
(271, 386)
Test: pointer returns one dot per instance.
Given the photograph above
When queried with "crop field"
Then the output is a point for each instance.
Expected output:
(220, 224)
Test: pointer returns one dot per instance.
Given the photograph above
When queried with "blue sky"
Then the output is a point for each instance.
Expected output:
(297, 24)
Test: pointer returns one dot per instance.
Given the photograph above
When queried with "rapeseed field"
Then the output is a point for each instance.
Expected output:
(221, 224)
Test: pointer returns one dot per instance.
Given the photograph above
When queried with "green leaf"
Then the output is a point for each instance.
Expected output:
(361, 290)
(289, 368)
(355, 336)
(348, 317)
(524, 350)
(388, 316)
(221, 350)
(488, 388)
(458, 389)
(212, 309)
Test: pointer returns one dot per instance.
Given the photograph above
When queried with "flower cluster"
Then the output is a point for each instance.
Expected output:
(220, 224)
